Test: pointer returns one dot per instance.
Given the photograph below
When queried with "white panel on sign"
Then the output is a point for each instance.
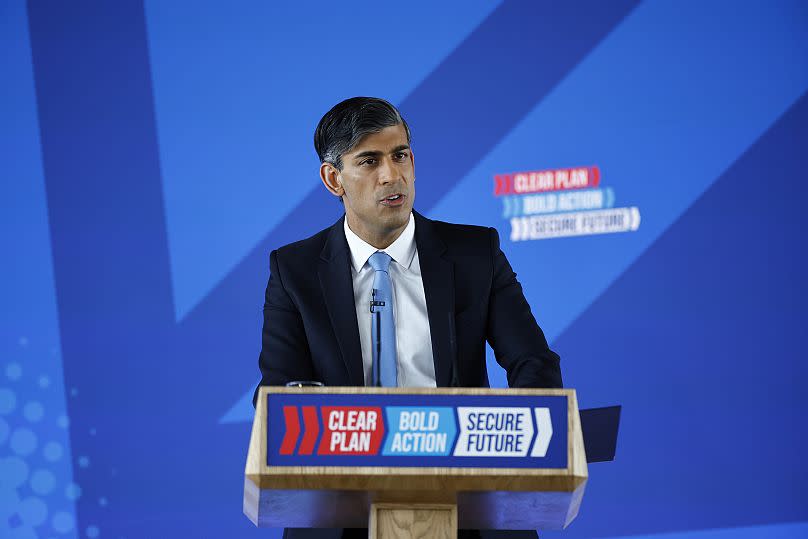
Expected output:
(494, 432)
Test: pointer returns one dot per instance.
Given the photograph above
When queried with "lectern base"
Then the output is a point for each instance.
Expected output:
(405, 521)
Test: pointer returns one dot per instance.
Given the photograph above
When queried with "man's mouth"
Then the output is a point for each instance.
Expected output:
(393, 200)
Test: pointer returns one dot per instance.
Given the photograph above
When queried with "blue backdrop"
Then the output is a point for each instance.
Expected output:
(152, 153)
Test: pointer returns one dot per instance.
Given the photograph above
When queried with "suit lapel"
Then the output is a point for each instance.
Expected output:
(336, 282)
(437, 274)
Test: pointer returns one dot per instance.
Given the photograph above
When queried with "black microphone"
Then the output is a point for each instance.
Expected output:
(377, 344)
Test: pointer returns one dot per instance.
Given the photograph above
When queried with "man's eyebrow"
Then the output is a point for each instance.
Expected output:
(368, 153)
(377, 153)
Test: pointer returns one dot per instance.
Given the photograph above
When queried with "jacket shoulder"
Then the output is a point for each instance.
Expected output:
(303, 251)
(468, 238)
(461, 229)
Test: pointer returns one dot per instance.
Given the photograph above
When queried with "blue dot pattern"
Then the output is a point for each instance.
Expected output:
(4, 431)
(37, 492)
(13, 371)
(23, 442)
(8, 401)
(64, 522)
(52, 451)
(43, 482)
(33, 411)
(73, 492)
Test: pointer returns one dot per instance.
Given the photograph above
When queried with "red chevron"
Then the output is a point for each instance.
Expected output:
(311, 428)
(292, 430)
(503, 184)
(594, 179)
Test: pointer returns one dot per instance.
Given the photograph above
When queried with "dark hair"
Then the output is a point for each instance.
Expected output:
(343, 126)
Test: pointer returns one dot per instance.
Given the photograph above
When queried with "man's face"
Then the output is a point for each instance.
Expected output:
(378, 177)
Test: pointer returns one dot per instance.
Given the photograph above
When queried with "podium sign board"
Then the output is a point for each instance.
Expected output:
(508, 459)
(453, 431)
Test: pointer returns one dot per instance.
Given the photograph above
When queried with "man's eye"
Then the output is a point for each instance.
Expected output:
(369, 161)
(400, 156)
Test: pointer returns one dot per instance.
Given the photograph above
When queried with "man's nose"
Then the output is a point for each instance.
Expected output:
(387, 171)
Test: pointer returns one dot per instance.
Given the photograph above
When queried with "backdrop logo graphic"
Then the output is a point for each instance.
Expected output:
(560, 203)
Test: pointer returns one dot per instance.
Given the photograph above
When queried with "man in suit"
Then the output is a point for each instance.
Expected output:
(452, 289)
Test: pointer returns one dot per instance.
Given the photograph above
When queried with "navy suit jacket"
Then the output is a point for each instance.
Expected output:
(472, 295)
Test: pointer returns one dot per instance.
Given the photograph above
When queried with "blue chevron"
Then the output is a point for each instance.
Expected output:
(608, 197)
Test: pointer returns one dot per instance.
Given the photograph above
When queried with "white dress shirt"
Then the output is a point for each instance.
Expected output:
(416, 367)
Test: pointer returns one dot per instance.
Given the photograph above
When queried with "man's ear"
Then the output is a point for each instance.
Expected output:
(330, 176)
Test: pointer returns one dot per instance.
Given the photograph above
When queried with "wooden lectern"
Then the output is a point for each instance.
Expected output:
(413, 462)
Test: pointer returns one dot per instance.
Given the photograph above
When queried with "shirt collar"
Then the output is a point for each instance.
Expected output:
(402, 250)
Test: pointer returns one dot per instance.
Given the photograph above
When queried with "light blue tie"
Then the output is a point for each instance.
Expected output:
(384, 328)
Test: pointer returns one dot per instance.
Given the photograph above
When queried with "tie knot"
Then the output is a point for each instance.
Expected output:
(379, 261)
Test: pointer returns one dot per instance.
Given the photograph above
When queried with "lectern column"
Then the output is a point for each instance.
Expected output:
(406, 521)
